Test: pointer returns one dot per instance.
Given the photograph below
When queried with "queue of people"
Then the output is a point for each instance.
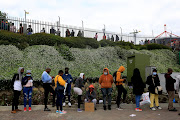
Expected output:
(63, 88)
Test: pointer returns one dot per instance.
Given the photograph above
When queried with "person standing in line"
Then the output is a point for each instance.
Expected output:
(119, 84)
(69, 80)
(43, 30)
(59, 88)
(153, 81)
(52, 31)
(17, 87)
(72, 33)
(29, 30)
(47, 81)
(112, 38)
(58, 33)
(91, 96)
(27, 89)
(96, 36)
(13, 28)
(170, 89)
(78, 89)
(21, 29)
(138, 87)
(106, 81)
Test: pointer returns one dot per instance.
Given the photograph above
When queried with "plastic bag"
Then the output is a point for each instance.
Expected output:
(145, 99)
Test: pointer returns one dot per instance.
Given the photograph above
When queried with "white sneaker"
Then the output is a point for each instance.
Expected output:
(153, 109)
(159, 108)
(64, 104)
(69, 104)
(119, 108)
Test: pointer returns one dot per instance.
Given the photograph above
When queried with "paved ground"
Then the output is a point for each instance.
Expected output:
(37, 113)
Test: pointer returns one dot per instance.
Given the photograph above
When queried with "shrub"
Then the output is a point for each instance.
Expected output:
(154, 46)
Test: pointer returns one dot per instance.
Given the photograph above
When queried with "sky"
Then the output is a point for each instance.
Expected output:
(144, 15)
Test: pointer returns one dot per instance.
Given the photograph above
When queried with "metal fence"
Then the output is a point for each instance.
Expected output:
(37, 27)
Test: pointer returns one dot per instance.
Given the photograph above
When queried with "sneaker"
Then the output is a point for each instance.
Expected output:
(25, 109)
(95, 108)
(104, 107)
(79, 110)
(174, 110)
(69, 104)
(159, 108)
(47, 109)
(109, 107)
(153, 109)
(64, 104)
(138, 110)
(119, 108)
(62, 112)
(57, 111)
(13, 111)
(29, 108)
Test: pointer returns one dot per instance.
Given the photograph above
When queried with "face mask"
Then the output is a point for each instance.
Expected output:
(22, 72)
(48, 72)
(105, 73)
(154, 73)
(66, 72)
(28, 74)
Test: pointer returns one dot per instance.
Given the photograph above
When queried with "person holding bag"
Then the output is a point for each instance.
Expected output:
(59, 89)
(154, 89)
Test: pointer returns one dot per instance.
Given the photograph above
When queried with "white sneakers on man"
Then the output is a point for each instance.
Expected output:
(64, 104)
(69, 104)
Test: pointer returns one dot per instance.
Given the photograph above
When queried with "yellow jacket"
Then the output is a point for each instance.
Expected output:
(118, 76)
(60, 80)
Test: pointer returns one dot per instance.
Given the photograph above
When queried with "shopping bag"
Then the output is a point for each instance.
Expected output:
(145, 99)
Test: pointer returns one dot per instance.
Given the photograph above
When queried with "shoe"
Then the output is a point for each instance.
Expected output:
(138, 110)
(57, 111)
(13, 111)
(109, 107)
(153, 109)
(29, 109)
(17, 110)
(25, 109)
(95, 108)
(119, 108)
(62, 112)
(104, 107)
(47, 109)
(79, 110)
(159, 108)
(64, 104)
(174, 110)
(69, 104)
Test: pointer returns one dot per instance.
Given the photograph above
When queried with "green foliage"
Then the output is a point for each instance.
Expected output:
(156, 46)
(65, 52)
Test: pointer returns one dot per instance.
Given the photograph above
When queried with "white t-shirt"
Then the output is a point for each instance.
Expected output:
(29, 83)
(17, 85)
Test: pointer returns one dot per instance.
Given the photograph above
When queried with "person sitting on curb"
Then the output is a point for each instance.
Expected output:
(153, 81)
(106, 81)
(170, 89)
(17, 87)
(59, 88)
(27, 89)
(91, 96)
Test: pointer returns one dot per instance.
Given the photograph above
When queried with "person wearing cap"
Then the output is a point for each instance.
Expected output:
(91, 96)
(27, 83)
(78, 89)
(106, 81)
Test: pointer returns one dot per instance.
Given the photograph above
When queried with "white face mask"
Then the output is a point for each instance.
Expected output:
(105, 73)
(154, 73)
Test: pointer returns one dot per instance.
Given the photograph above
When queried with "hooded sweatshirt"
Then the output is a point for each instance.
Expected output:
(79, 81)
(106, 80)
(17, 80)
(119, 79)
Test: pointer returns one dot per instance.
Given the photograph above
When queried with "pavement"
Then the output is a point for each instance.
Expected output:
(127, 113)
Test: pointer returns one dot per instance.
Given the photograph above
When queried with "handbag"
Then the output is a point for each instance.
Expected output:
(158, 89)
(59, 87)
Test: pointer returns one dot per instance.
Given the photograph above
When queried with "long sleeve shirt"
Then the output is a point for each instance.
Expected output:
(46, 78)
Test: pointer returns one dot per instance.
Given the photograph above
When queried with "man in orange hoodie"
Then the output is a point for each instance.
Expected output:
(106, 81)
(119, 81)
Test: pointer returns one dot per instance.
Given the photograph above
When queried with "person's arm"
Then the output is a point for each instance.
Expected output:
(61, 81)
(87, 95)
(46, 77)
(13, 79)
(71, 79)
(118, 77)
(81, 83)
(93, 95)
(100, 80)
(158, 81)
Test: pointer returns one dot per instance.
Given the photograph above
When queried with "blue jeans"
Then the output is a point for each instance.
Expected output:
(60, 96)
(27, 91)
(106, 91)
(138, 97)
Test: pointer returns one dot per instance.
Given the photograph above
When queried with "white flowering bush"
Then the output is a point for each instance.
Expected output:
(89, 61)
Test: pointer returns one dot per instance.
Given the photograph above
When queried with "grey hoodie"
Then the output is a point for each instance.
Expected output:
(79, 81)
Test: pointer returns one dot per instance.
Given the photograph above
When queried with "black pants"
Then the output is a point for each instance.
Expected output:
(15, 101)
(60, 95)
(47, 88)
(121, 90)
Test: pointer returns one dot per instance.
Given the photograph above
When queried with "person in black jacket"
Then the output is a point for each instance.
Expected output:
(170, 89)
(91, 96)
(138, 87)
(153, 81)
(17, 87)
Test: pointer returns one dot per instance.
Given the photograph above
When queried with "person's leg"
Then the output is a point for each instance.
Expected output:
(57, 100)
(103, 90)
(14, 100)
(124, 94)
(138, 97)
(54, 94)
(25, 96)
(157, 100)
(94, 101)
(61, 98)
(109, 91)
(17, 100)
(46, 92)
(152, 100)
(119, 96)
(30, 96)
(171, 97)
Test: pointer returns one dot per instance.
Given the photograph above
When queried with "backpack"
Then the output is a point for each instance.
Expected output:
(114, 77)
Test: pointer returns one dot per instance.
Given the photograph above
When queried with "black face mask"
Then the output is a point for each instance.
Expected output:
(66, 72)
(48, 72)
(22, 72)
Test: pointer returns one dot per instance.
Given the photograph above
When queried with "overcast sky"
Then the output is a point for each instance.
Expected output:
(143, 15)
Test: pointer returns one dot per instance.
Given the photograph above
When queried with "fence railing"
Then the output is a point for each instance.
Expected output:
(13, 23)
